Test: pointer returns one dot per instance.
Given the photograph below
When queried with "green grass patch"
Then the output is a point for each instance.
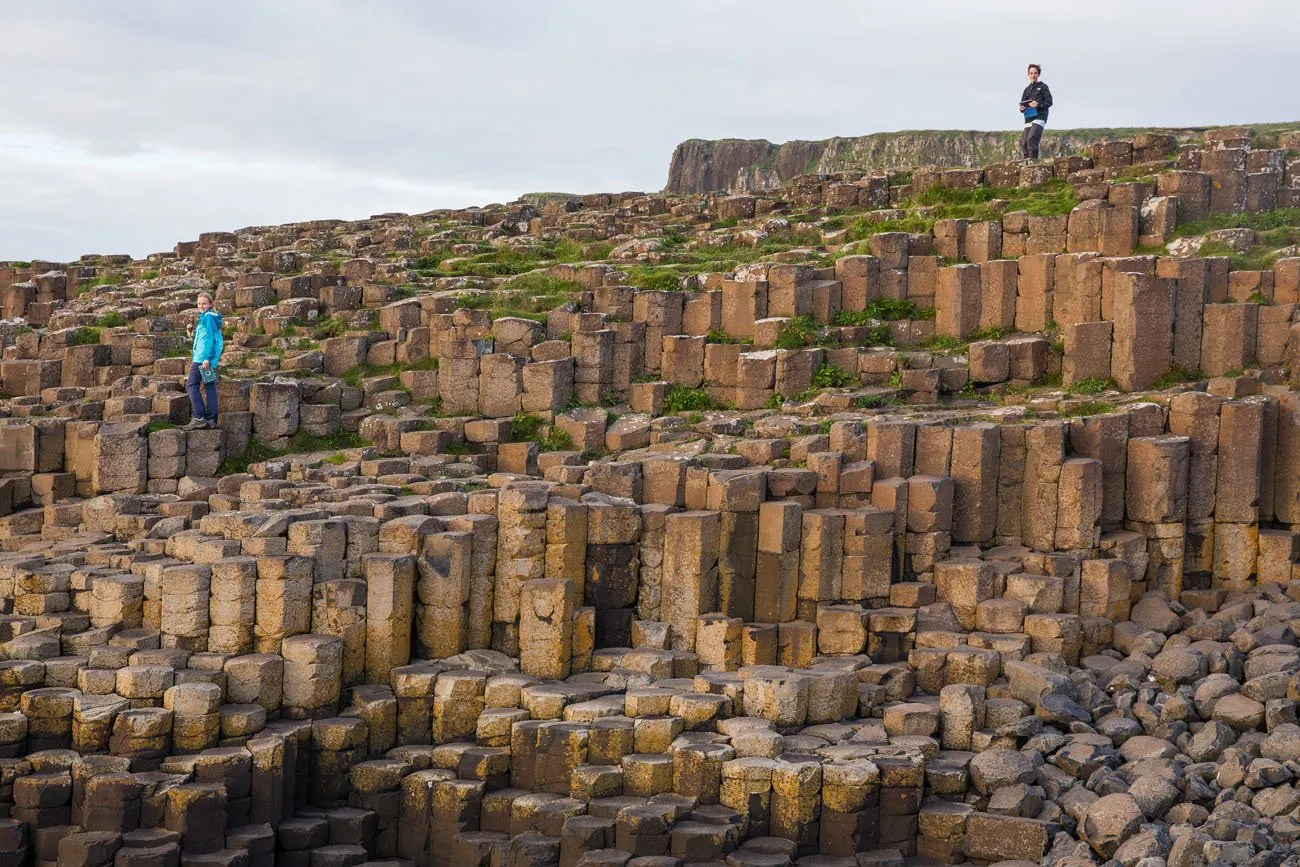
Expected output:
(356, 375)
(1175, 376)
(1281, 218)
(796, 333)
(525, 427)
(657, 279)
(555, 440)
(682, 399)
(257, 452)
(301, 442)
(1053, 198)
(1092, 407)
(862, 228)
(335, 459)
(871, 401)
(155, 426)
(883, 310)
(305, 441)
(877, 335)
(93, 283)
(529, 428)
(946, 343)
(830, 376)
(529, 296)
(509, 261)
(993, 332)
(541, 283)
(112, 319)
(1091, 385)
(329, 326)
(1257, 258)
(151, 274)
(566, 250)
(85, 336)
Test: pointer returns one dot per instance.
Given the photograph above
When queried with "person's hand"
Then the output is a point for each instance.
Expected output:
(1033, 103)
(207, 365)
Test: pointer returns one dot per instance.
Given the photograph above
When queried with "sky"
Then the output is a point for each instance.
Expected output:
(128, 126)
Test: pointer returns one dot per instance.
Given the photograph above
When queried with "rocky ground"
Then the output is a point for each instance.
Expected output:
(944, 517)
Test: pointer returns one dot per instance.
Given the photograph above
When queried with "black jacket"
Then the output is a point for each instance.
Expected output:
(1037, 91)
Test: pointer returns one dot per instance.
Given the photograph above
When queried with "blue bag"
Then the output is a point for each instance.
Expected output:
(1030, 113)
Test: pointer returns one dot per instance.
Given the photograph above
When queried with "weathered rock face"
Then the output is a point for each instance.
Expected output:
(749, 165)
(800, 601)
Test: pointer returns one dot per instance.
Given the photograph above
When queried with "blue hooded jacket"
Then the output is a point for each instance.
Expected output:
(208, 341)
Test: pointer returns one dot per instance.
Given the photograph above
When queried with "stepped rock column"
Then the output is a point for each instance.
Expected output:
(1044, 456)
(776, 594)
(821, 556)
(1156, 502)
(737, 497)
(313, 676)
(390, 613)
(850, 807)
(974, 472)
(1144, 328)
(339, 609)
(185, 607)
(1239, 489)
(442, 595)
(612, 562)
(232, 606)
(521, 556)
(283, 600)
(690, 582)
(546, 628)
(651, 555)
(117, 600)
(483, 564)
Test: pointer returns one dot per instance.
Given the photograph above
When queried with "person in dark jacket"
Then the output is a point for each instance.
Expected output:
(1034, 104)
(202, 381)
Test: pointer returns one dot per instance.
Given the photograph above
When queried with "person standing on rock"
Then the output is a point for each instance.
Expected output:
(1034, 103)
(202, 381)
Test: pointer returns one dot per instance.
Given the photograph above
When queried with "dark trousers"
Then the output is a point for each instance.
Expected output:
(1029, 140)
(203, 395)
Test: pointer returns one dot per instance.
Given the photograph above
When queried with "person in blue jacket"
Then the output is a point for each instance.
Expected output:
(202, 381)
(1035, 102)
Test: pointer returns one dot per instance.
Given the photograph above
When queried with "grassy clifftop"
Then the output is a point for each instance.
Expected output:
(747, 165)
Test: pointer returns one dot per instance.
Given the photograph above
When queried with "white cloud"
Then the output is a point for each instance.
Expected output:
(152, 121)
(65, 201)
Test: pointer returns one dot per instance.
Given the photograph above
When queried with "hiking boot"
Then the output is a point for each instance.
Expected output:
(196, 424)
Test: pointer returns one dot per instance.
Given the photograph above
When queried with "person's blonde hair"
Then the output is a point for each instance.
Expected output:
(203, 295)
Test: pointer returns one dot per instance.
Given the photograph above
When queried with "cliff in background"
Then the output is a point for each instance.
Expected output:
(749, 165)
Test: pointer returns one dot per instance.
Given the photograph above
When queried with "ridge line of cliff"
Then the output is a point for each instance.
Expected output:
(736, 165)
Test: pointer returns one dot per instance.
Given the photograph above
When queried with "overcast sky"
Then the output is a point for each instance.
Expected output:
(127, 126)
